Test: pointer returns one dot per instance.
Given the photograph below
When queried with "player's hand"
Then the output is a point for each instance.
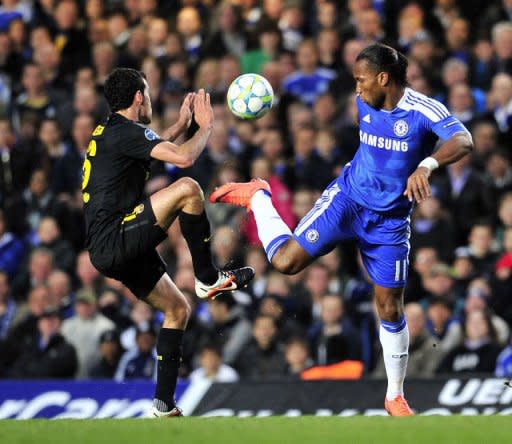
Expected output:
(418, 188)
(186, 110)
(203, 112)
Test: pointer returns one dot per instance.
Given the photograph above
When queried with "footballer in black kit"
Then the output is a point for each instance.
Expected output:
(123, 226)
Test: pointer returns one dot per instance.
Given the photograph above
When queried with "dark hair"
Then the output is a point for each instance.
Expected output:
(211, 346)
(385, 58)
(121, 85)
(493, 334)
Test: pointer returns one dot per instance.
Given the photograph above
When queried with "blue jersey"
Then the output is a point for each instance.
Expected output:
(308, 86)
(392, 144)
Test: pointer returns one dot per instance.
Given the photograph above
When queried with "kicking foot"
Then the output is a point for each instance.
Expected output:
(239, 194)
(398, 407)
(228, 281)
(176, 411)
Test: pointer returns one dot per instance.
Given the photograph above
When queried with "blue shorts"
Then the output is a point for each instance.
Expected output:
(383, 240)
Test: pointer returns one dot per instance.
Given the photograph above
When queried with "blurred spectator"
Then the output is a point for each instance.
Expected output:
(139, 362)
(67, 176)
(61, 295)
(69, 39)
(481, 248)
(270, 40)
(432, 226)
(47, 355)
(228, 36)
(49, 236)
(52, 148)
(141, 317)
(40, 265)
(12, 250)
(281, 198)
(478, 352)
(424, 258)
(441, 323)
(16, 163)
(255, 258)
(333, 338)
(26, 210)
(226, 247)
(466, 194)
(291, 24)
(34, 100)
(500, 103)
(485, 139)
(309, 81)
(499, 172)
(502, 43)
(7, 306)
(504, 363)
(211, 368)
(88, 275)
(111, 351)
(84, 330)
(263, 357)
(423, 356)
(297, 356)
(24, 326)
(274, 306)
(188, 24)
(228, 327)
(478, 299)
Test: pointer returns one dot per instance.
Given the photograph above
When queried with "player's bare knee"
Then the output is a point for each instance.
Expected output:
(189, 188)
(179, 311)
(390, 310)
(286, 264)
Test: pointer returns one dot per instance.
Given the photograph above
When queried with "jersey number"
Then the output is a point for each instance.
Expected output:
(86, 170)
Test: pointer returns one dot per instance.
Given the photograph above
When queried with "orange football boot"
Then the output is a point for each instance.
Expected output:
(239, 194)
(398, 407)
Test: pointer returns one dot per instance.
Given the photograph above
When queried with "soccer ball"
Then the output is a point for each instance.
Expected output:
(250, 96)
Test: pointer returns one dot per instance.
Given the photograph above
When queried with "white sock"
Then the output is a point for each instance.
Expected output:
(272, 231)
(394, 337)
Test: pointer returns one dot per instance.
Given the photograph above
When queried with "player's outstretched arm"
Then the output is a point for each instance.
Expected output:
(184, 119)
(185, 155)
(456, 147)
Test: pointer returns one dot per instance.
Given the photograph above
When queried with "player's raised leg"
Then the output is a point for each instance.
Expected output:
(394, 338)
(184, 199)
(283, 251)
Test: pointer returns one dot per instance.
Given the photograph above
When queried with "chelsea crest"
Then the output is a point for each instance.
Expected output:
(400, 128)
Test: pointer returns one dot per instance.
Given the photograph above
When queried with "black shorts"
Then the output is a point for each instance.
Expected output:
(131, 256)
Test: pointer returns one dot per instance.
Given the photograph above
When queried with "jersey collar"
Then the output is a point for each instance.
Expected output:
(399, 103)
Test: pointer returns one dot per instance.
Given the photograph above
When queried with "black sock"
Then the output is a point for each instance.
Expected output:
(196, 231)
(169, 351)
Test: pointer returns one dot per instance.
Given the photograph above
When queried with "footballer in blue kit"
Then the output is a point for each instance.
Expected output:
(372, 199)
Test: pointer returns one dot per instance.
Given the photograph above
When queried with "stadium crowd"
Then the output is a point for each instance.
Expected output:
(59, 318)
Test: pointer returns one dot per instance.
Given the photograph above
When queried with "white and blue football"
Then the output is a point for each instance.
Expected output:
(250, 96)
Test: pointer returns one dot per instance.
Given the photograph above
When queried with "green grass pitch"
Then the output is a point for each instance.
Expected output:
(306, 429)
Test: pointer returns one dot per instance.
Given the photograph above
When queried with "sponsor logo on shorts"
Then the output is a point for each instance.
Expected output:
(312, 235)
(150, 134)
(400, 128)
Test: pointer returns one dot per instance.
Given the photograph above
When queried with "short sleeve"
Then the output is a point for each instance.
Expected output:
(137, 141)
(447, 127)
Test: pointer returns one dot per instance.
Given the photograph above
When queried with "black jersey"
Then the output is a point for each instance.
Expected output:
(115, 170)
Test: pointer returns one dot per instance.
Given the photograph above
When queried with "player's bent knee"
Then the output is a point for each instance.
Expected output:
(178, 312)
(390, 310)
(286, 264)
(188, 187)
